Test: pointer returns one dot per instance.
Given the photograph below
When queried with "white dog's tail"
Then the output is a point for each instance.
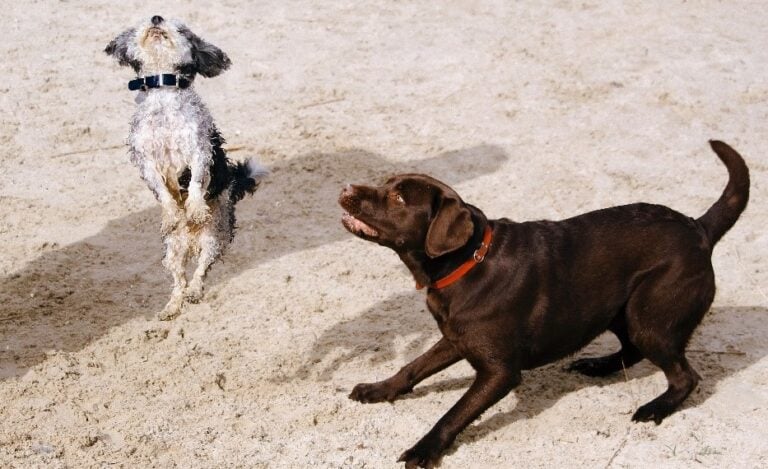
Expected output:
(246, 177)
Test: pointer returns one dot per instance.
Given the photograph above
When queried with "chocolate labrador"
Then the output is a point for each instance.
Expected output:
(511, 296)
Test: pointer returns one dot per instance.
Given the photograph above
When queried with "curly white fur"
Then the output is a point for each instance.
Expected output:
(177, 148)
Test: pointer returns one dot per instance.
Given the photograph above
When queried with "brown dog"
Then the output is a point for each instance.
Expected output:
(512, 296)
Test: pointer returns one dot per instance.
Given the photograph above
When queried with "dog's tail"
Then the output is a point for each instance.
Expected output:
(723, 214)
(246, 177)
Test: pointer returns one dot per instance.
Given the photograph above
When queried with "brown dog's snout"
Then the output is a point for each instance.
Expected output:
(348, 193)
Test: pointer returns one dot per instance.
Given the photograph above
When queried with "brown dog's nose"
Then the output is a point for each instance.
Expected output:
(347, 193)
(348, 190)
(157, 20)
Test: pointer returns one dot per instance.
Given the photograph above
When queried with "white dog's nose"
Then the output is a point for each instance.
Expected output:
(157, 20)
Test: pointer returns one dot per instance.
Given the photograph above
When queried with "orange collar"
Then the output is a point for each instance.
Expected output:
(477, 257)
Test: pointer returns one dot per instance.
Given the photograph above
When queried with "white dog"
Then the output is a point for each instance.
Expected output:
(178, 149)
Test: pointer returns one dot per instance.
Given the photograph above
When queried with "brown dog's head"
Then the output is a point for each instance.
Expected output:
(410, 212)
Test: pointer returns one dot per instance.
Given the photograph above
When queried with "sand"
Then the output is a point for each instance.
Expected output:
(529, 109)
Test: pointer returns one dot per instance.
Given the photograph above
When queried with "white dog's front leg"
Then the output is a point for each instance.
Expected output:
(172, 214)
(175, 260)
(197, 210)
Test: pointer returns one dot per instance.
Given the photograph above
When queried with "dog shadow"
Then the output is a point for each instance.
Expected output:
(69, 296)
(296, 207)
(371, 336)
(714, 356)
(723, 345)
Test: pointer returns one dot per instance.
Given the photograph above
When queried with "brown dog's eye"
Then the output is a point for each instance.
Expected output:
(395, 197)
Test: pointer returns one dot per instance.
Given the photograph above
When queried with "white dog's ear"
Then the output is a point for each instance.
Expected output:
(208, 60)
(119, 49)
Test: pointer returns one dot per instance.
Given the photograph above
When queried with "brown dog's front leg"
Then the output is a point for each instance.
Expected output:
(439, 357)
(489, 387)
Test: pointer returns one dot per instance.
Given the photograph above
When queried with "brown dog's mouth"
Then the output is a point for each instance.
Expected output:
(358, 227)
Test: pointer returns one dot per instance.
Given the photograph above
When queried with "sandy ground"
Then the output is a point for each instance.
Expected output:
(529, 109)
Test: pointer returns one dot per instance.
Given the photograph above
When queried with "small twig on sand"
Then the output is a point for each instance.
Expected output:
(719, 352)
(310, 20)
(320, 103)
(618, 450)
(235, 148)
(89, 150)
(626, 434)
(624, 369)
(220, 381)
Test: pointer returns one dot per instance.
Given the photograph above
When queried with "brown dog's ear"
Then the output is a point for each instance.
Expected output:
(450, 229)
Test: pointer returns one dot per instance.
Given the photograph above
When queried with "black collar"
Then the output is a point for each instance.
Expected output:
(158, 81)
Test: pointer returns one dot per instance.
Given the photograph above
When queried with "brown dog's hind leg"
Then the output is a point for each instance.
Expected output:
(661, 316)
(682, 381)
(609, 364)
(439, 357)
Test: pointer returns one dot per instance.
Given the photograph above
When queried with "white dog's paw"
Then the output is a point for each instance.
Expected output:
(172, 217)
(194, 291)
(171, 310)
(198, 211)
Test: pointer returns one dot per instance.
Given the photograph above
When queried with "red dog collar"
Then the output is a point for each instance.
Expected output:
(477, 257)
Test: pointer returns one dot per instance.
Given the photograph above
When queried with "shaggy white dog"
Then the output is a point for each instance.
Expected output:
(178, 149)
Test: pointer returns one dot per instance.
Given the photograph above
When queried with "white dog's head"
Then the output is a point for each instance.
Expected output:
(167, 46)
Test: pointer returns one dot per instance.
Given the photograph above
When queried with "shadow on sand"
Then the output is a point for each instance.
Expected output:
(372, 334)
(70, 296)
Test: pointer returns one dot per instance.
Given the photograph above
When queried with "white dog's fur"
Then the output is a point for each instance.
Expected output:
(178, 149)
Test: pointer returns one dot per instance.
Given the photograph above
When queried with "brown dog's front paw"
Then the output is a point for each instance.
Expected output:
(425, 453)
(652, 412)
(368, 393)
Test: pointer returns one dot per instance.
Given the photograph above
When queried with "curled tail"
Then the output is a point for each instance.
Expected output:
(723, 214)
(246, 177)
